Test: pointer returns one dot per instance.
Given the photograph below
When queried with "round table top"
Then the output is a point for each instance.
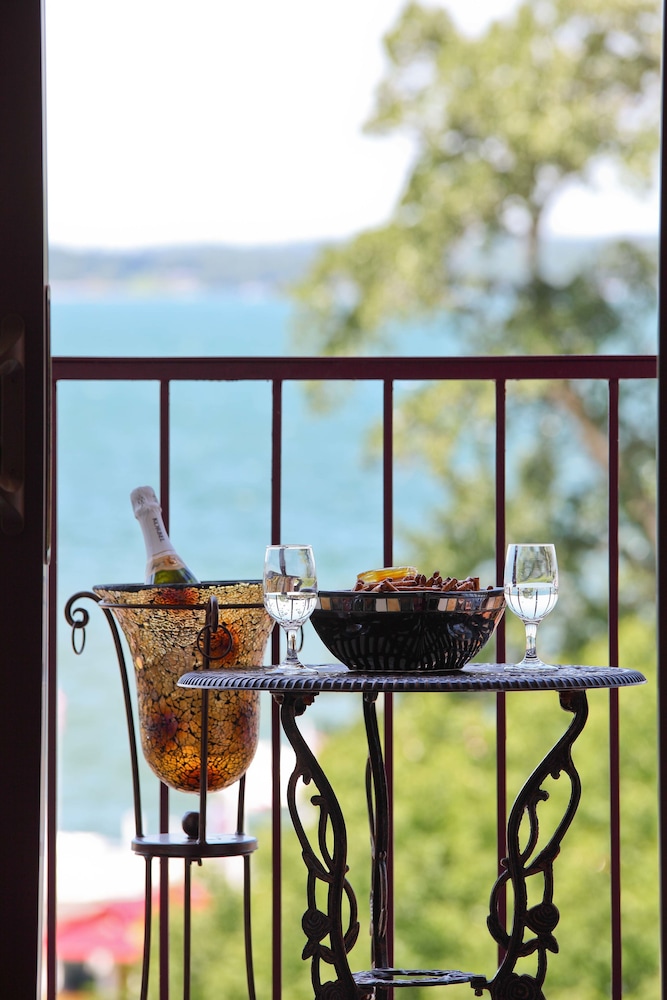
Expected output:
(474, 677)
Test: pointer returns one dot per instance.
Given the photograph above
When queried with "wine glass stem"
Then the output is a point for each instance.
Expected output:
(292, 656)
(531, 636)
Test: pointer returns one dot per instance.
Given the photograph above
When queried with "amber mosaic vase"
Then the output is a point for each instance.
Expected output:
(163, 627)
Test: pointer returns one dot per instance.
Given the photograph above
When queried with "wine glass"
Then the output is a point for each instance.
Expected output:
(531, 592)
(290, 593)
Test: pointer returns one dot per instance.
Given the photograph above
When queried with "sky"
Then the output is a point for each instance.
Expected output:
(238, 122)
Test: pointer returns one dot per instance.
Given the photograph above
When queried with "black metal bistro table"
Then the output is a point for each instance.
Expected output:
(330, 935)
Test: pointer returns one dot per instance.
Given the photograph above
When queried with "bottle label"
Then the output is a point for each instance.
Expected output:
(155, 534)
(158, 528)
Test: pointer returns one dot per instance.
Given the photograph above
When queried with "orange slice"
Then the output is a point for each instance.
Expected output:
(389, 572)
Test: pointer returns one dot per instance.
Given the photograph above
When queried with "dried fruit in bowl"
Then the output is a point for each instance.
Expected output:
(393, 578)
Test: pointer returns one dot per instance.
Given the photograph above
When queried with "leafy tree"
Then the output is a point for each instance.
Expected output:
(502, 125)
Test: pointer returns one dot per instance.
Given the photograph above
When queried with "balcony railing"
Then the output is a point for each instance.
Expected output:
(612, 371)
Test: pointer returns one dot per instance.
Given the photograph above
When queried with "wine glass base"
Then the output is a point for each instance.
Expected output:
(534, 663)
(292, 668)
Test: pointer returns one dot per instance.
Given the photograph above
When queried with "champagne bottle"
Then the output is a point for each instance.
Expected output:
(163, 563)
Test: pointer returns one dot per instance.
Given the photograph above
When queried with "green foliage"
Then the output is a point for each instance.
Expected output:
(501, 125)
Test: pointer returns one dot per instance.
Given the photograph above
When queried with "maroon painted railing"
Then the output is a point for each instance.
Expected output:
(497, 370)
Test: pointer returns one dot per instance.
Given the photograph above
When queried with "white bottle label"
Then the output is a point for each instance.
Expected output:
(147, 511)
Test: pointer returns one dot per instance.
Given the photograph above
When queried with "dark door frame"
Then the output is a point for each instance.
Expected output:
(23, 372)
(662, 532)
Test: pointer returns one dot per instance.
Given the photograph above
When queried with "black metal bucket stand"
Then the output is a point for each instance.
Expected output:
(193, 845)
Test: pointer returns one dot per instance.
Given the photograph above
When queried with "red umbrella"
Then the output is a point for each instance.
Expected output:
(114, 928)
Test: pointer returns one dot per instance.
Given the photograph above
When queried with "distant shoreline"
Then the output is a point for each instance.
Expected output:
(265, 269)
(182, 268)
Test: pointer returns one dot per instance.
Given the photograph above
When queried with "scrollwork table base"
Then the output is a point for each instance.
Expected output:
(331, 935)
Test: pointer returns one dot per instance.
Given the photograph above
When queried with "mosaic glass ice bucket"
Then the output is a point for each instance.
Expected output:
(163, 627)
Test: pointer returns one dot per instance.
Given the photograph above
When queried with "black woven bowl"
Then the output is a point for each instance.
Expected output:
(407, 630)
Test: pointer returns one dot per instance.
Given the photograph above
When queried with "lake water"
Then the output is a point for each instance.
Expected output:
(220, 501)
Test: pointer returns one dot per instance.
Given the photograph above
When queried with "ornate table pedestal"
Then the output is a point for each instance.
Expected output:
(331, 935)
